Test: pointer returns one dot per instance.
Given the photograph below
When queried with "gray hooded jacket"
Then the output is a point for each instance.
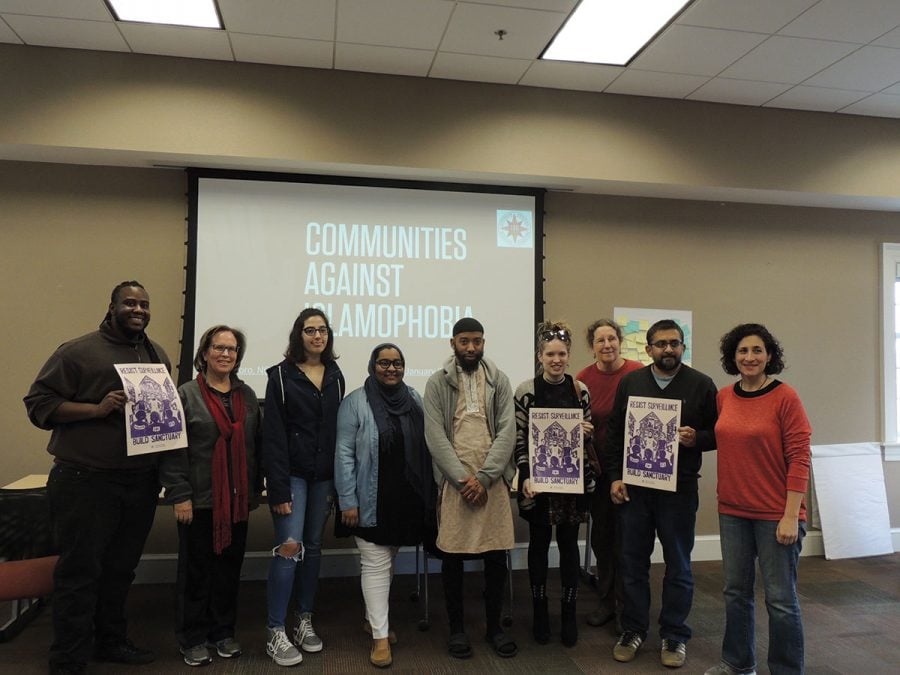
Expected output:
(441, 394)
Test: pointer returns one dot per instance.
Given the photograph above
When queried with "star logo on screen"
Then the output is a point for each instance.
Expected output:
(515, 229)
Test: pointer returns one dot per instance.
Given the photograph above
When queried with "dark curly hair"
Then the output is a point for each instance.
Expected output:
(295, 351)
(603, 322)
(729, 342)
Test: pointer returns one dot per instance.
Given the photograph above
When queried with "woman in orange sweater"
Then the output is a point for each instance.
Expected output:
(763, 438)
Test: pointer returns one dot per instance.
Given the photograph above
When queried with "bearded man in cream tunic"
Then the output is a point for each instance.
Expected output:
(470, 431)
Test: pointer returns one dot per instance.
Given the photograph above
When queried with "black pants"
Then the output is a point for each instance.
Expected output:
(494, 579)
(100, 521)
(539, 545)
(206, 589)
(606, 543)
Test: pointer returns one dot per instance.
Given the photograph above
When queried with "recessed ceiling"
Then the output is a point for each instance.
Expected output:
(826, 55)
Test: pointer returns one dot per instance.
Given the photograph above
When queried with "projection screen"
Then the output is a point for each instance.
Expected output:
(386, 261)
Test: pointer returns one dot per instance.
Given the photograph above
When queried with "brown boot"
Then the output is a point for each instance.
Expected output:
(381, 653)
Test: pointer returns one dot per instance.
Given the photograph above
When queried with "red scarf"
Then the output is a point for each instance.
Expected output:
(230, 501)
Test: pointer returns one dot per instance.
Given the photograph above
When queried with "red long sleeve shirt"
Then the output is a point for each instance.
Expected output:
(763, 444)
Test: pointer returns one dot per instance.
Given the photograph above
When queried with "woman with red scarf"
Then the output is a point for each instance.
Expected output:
(212, 484)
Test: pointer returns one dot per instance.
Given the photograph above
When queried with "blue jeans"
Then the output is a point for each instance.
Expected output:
(311, 504)
(670, 516)
(743, 541)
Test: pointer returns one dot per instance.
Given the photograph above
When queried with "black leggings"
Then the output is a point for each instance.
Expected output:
(539, 545)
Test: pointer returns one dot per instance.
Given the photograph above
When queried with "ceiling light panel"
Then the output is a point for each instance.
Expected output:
(197, 13)
(611, 31)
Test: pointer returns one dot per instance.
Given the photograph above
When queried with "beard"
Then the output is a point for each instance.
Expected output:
(468, 363)
(667, 364)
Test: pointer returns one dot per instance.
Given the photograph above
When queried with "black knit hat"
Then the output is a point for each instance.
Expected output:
(467, 325)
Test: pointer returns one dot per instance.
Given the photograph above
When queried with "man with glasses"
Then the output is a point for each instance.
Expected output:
(102, 501)
(645, 512)
(470, 430)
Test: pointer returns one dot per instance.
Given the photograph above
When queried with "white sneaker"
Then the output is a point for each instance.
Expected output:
(281, 650)
(305, 635)
(673, 653)
(627, 646)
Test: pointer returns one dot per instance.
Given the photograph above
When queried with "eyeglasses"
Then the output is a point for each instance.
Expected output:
(312, 330)
(556, 334)
(662, 344)
(225, 349)
(384, 364)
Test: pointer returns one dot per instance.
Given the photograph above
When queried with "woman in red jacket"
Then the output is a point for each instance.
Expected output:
(763, 438)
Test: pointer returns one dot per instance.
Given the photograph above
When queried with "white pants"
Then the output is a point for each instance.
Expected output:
(376, 571)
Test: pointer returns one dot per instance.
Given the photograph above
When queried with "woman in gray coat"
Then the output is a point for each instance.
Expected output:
(212, 485)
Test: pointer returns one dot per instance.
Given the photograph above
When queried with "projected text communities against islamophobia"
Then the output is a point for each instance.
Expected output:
(331, 276)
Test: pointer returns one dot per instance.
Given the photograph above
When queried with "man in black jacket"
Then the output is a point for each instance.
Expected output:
(646, 512)
(102, 501)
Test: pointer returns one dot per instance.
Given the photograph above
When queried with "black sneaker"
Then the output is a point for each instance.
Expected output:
(123, 652)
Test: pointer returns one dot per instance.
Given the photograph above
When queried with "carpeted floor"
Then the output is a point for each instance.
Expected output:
(851, 613)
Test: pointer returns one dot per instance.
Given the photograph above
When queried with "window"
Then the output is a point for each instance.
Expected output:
(890, 266)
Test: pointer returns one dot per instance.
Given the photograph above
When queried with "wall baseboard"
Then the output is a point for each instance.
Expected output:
(160, 568)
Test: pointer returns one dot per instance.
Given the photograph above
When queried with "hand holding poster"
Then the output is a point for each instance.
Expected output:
(154, 418)
(651, 442)
(555, 450)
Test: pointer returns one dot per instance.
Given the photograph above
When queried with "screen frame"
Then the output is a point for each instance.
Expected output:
(194, 175)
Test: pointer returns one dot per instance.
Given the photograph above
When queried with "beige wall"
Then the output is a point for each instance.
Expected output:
(68, 235)
(70, 232)
(159, 108)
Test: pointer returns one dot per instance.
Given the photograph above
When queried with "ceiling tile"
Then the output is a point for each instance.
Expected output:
(478, 68)
(566, 75)
(548, 5)
(71, 33)
(696, 51)
(416, 24)
(391, 60)
(282, 51)
(815, 98)
(738, 92)
(867, 69)
(7, 34)
(787, 59)
(311, 20)
(891, 39)
(471, 31)
(647, 83)
(878, 105)
(94, 10)
(195, 43)
(859, 21)
(761, 16)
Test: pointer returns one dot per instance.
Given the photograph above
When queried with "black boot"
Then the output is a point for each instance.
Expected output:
(541, 626)
(569, 631)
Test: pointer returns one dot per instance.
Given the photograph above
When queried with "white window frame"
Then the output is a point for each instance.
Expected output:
(890, 273)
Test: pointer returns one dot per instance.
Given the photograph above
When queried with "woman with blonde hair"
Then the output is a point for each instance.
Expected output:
(552, 388)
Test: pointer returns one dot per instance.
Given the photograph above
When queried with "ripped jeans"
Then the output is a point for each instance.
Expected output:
(298, 576)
